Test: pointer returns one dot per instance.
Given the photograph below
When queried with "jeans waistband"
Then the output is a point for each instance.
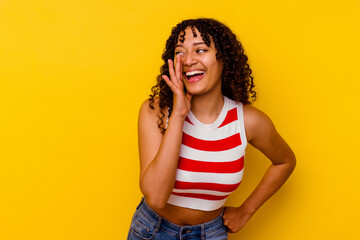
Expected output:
(157, 220)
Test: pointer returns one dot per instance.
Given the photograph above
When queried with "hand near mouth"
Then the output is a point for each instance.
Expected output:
(181, 101)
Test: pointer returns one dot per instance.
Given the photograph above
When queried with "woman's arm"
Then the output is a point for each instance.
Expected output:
(261, 133)
(159, 154)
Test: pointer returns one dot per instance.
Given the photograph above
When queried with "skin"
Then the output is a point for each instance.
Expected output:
(159, 153)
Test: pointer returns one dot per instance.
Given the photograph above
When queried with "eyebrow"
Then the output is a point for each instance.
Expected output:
(194, 44)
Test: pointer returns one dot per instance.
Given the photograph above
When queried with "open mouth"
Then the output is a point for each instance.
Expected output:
(194, 76)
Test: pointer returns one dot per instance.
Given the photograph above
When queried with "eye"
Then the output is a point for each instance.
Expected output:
(179, 53)
(201, 50)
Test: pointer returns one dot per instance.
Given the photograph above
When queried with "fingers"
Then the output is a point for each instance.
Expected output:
(168, 82)
(228, 220)
(178, 68)
(171, 82)
(227, 227)
(225, 221)
(175, 71)
(172, 71)
(175, 80)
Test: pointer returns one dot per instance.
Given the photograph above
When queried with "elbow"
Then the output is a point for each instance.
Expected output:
(292, 162)
(156, 203)
(288, 163)
(154, 199)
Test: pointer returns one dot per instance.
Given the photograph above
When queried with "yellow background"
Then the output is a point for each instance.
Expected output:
(74, 73)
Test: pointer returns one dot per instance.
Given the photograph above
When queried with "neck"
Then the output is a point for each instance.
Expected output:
(207, 108)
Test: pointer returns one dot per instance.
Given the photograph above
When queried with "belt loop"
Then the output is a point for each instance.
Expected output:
(158, 224)
(202, 231)
(181, 233)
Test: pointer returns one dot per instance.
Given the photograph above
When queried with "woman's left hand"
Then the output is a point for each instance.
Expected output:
(235, 218)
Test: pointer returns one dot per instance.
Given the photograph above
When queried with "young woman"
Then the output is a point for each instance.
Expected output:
(193, 132)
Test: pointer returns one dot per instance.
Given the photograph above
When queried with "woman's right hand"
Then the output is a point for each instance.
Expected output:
(181, 101)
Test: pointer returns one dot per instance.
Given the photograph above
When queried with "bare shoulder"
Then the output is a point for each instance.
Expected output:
(145, 108)
(151, 111)
(257, 123)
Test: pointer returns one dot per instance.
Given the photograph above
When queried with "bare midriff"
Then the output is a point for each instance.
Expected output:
(186, 216)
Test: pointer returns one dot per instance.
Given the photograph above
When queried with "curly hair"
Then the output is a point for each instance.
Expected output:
(237, 82)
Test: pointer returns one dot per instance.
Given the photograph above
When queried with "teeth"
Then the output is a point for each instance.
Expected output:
(188, 74)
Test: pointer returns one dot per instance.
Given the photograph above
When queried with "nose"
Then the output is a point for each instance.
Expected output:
(189, 59)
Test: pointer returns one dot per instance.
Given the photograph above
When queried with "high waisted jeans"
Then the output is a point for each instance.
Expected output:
(147, 224)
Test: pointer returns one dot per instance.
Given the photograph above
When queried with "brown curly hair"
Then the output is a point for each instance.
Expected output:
(237, 82)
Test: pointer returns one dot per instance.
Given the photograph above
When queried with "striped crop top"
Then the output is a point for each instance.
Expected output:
(211, 159)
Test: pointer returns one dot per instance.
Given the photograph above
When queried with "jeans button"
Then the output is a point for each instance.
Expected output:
(184, 231)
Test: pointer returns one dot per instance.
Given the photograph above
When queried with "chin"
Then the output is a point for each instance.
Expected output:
(195, 92)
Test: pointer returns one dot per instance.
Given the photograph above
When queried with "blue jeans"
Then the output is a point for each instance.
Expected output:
(147, 224)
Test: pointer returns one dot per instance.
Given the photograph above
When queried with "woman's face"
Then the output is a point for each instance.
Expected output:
(202, 72)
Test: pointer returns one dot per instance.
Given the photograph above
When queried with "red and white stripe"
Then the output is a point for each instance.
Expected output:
(211, 161)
